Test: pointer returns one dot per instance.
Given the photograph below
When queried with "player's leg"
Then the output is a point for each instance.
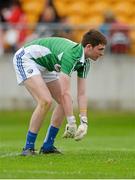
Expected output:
(58, 113)
(28, 73)
(40, 92)
(56, 120)
(58, 116)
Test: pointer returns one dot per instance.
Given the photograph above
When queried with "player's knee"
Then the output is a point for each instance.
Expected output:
(48, 102)
(45, 102)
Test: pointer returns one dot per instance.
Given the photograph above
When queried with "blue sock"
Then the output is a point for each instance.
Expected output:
(30, 141)
(49, 139)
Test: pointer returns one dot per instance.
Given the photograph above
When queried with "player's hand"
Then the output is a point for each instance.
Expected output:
(82, 129)
(70, 130)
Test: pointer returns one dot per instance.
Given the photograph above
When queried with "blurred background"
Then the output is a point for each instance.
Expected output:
(111, 81)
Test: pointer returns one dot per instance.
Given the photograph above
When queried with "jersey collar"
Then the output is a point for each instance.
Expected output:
(82, 58)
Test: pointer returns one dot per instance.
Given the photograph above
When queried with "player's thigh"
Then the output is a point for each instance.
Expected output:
(38, 88)
(55, 89)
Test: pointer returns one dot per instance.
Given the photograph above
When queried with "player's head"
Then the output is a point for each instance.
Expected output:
(94, 43)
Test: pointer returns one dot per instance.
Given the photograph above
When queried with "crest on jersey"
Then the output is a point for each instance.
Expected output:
(57, 67)
(30, 71)
(60, 56)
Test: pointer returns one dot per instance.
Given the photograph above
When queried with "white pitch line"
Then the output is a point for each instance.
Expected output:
(89, 150)
(9, 155)
(44, 172)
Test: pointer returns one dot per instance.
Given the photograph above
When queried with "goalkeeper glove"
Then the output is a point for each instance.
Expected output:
(70, 128)
(82, 129)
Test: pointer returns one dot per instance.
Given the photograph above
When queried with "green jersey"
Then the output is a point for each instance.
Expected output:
(59, 54)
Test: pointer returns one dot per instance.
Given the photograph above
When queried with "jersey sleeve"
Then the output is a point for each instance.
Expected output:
(82, 72)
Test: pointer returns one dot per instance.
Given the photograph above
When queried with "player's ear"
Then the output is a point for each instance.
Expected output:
(89, 46)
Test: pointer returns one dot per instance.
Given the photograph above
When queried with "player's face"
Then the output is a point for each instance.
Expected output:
(94, 52)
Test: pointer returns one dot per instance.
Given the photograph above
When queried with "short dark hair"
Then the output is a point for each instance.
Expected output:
(94, 38)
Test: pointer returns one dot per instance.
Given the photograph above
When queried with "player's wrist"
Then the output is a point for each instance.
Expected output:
(71, 119)
(83, 119)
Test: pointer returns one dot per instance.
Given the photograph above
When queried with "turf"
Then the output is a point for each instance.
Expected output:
(108, 150)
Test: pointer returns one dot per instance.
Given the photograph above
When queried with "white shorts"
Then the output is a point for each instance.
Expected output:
(26, 68)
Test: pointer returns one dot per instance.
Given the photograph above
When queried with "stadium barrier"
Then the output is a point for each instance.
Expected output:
(110, 82)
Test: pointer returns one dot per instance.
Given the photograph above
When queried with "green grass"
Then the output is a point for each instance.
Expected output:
(108, 150)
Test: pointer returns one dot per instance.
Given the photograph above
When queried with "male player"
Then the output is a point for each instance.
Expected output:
(36, 65)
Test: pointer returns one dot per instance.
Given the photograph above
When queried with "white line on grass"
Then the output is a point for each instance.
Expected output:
(9, 155)
(43, 172)
(90, 150)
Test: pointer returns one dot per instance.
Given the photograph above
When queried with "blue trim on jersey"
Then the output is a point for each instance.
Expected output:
(19, 64)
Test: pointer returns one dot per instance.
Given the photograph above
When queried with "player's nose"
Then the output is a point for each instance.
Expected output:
(101, 53)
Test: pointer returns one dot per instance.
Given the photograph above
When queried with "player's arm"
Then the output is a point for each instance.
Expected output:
(67, 66)
(81, 96)
(82, 104)
(81, 88)
(71, 127)
(66, 95)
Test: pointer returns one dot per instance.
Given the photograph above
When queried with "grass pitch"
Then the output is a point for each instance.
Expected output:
(108, 150)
